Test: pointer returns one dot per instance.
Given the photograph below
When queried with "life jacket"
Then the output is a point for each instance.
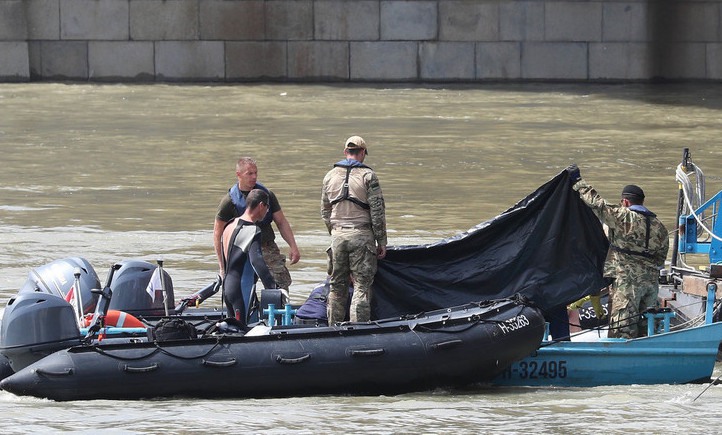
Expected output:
(648, 215)
(239, 201)
(349, 164)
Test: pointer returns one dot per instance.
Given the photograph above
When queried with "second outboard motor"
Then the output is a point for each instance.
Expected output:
(132, 293)
(35, 325)
(58, 277)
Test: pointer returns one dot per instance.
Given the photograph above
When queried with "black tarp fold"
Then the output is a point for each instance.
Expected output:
(549, 247)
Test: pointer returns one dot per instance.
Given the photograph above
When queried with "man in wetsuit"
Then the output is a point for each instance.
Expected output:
(638, 248)
(234, 203)
(243, 260)
(353, 209)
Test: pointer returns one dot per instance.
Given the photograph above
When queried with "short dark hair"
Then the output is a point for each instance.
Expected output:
(256, 197)
(354, 151)
(634, 200)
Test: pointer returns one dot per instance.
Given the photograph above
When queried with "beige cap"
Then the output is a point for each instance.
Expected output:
(355, 142)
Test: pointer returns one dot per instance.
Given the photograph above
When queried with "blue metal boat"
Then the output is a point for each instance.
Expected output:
(670, 353)
(678, 357)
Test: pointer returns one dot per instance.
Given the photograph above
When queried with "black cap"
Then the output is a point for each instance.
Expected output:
(632, 190)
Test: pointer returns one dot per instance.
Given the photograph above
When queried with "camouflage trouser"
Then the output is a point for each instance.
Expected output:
(629, 298)
(354, 253)
(276, 263)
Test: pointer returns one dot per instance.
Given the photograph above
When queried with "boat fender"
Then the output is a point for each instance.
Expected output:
(172, 329)
(119, 319)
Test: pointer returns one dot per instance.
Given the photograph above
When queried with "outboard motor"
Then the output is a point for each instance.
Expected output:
(58, 278)
(34, 325)
(130, 285)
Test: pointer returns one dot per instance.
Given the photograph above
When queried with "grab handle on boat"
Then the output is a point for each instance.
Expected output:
(64, 372)
(445, 344)
(228, 363)
(282, 360)
(150, 368)
(367, 352)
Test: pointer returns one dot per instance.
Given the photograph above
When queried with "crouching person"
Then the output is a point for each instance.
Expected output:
(314, 310)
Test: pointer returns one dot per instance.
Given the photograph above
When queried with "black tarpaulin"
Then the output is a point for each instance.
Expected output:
(548, 247)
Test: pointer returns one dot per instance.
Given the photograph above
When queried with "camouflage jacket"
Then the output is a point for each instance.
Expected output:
(632, 244)
(364, 188)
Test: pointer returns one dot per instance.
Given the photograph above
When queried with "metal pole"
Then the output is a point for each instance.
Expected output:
(78, 297)
(680, 206)
(162, 285)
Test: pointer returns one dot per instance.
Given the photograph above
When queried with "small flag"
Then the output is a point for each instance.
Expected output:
(70, 298)
(154, 284)
(70, 295)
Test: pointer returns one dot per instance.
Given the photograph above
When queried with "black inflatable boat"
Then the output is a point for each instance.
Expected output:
(455, 346)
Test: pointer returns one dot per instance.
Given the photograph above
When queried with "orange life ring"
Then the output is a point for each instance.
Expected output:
(119, 319)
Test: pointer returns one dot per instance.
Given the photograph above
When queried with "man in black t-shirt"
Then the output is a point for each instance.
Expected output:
(233, 204)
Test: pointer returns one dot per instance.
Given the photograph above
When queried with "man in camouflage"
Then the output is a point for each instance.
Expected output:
(638, 248)
(353, 209)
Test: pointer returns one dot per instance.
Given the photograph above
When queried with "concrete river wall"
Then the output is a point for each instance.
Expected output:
(360, 40)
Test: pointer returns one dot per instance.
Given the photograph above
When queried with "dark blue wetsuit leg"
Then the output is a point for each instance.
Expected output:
(238, 286)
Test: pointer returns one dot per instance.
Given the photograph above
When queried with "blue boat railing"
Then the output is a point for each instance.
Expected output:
(665, 317)
(688, 237)
(659, 321)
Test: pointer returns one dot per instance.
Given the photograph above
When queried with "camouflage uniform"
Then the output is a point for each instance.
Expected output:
(355, 233)
(276, 263)
(634, 260)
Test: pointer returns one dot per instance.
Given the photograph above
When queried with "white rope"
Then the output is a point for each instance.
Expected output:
(684, 181)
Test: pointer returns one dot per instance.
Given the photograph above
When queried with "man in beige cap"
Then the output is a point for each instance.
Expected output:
(352, 207)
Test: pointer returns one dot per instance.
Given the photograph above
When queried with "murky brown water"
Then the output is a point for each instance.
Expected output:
(118, 171)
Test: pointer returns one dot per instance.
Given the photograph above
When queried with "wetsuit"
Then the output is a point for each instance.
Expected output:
(243, 263)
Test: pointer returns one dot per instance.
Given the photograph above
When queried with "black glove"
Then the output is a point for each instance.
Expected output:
(574, 174)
